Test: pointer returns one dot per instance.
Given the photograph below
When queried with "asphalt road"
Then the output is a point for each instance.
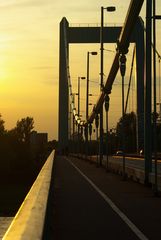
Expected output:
(78, 210)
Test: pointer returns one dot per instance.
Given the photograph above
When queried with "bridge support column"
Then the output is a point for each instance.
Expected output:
(63, 87)
(148, 94)
(69, 35)
(139, 39)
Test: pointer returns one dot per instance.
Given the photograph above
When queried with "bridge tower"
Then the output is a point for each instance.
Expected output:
(69, 35)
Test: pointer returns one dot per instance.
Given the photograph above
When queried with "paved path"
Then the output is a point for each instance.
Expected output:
(88, 203)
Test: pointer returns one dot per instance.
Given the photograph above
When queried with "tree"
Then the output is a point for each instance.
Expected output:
(24, 128)
(2, 128)
(127, 126)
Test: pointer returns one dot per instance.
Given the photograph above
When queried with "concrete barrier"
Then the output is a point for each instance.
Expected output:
(28, 223)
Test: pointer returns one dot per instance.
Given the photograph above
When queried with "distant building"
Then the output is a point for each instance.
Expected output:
(38, 144)
(38, 139)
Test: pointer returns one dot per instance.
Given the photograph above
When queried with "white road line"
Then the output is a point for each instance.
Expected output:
(113, 206)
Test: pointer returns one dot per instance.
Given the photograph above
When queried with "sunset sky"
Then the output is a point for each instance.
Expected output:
(29, 48)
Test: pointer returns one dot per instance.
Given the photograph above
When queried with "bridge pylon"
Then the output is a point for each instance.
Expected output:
(70, 35)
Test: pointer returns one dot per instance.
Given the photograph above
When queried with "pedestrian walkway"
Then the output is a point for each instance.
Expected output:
(88, 203)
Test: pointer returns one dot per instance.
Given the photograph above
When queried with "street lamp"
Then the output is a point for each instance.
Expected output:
(97, 124)
(108, 9)
(73, 100)
(106, 102)
(123, 70)
(87, 91)
(79, 78)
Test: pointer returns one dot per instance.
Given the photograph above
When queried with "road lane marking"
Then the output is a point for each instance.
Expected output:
(131, 225)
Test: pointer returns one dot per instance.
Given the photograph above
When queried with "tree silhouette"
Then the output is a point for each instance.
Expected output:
(127, 126)
(2, 128)
(24, 128)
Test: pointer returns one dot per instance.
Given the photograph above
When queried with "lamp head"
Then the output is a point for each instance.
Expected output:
(110, 9)
(94, 53)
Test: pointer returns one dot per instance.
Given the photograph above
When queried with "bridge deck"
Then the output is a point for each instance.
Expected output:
(116, 209)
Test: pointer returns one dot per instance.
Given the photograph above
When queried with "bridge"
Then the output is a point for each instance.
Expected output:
(98, 183)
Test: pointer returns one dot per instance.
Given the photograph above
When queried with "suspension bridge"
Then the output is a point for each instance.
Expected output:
(89, 187)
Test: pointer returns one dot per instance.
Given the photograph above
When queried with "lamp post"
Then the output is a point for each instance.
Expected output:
(79, 135)
(87, 89)
(73, 101)
(79, 78)
(106, 102)
(108, 9)
(123, 70)
(87, 92)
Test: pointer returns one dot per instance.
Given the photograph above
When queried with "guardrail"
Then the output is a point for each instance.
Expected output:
(28, 224)
(109, 24)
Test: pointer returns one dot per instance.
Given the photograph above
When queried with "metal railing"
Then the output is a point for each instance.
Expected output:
(94, 24)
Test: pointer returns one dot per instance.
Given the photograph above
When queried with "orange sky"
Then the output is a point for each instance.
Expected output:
(29, 47)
